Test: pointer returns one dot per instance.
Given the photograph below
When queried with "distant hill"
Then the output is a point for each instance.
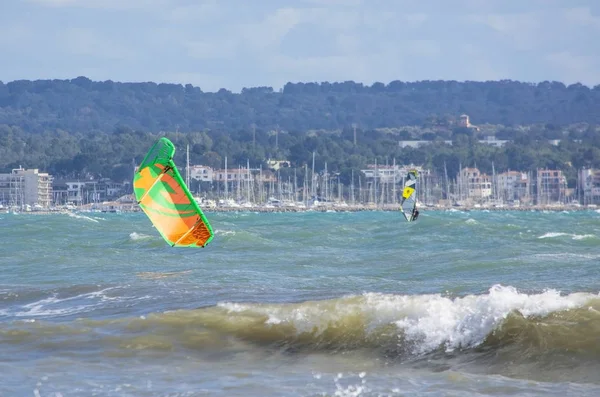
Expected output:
(83, 105)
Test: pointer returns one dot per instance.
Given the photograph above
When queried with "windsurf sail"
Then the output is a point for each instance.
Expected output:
(163, 196)
(408, 203)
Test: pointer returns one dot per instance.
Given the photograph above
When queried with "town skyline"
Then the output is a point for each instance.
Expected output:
(377, 186)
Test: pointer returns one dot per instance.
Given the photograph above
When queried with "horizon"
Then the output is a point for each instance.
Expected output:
(234, 44)
(278, 89)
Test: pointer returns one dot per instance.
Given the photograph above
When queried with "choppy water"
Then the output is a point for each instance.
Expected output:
(309, 304)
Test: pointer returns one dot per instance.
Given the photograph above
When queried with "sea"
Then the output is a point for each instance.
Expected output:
(458, 303)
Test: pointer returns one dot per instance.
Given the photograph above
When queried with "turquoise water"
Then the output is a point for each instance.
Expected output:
(302, 304)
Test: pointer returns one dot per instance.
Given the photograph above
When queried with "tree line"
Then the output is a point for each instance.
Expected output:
(86, 106)
(114, 154)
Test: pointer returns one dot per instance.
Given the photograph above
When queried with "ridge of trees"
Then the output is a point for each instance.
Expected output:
(83, 105)
(80, 128)
(114, 154)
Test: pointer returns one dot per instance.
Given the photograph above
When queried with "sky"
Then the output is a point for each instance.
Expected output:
(233, 44)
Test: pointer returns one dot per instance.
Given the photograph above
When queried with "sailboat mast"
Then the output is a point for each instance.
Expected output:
(248, 199)
(494, 185)
(446, 182)
(312, 183)
(187, 166)
(226, 187)
(326, 184)
(295, 186)
(394, 183)
(304, 185)
(352, 188)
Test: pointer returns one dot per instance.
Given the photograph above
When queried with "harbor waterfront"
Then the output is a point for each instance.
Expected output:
(128, 208)
(463, 303)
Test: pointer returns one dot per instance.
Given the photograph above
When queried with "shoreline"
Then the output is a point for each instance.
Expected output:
(356, 208)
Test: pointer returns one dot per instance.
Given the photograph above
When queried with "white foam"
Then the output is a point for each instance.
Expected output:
(73, 215)
(432, 321)
(48, 306)
(138, 236)
(582, 236)
(553, 234)
(427, 322)
(573, 236)
(225, 232)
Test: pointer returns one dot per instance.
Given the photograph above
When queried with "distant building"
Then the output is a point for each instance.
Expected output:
(386, 173)
(107, 189)
(589, 185)
(75, 192)
(551, 187)
(416, 144)
(475, 185)
(59, 192)
(277, 164)
(232, 174)
(241, 174)
(85, 192)
(26, 187)
(492, 141)
(201, 173)
(463, 121)
(489, 140)
(513, 185)
(383, 173)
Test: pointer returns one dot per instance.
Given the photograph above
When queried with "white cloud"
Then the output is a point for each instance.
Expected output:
(54, 3)
(329, 3)
(200, 12)
(332, 68)
(479, 68)
(426, 48)
(575, 68)
(348, 43)
(522, 29)
(212, 49)
(415, 20)
(509, 24)
(15, 34)
(268, 33)
(79, 41)
(105, 4)
(582, 16)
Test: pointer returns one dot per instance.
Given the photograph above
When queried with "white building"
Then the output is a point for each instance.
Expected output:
(513, 185)
(418, 144)
(201, 173)
(26, 187)
(476, 185)
(386, 173)
(489, 140)
(551, 186)
(75, 192)
(589, 181)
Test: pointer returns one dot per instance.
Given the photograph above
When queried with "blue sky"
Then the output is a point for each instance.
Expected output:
(245, 43)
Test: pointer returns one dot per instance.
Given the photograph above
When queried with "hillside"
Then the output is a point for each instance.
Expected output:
(83, 105)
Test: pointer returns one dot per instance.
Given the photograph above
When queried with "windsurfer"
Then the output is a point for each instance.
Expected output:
(415, 214)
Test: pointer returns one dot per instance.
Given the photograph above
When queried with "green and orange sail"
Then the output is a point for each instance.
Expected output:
(166, 200)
